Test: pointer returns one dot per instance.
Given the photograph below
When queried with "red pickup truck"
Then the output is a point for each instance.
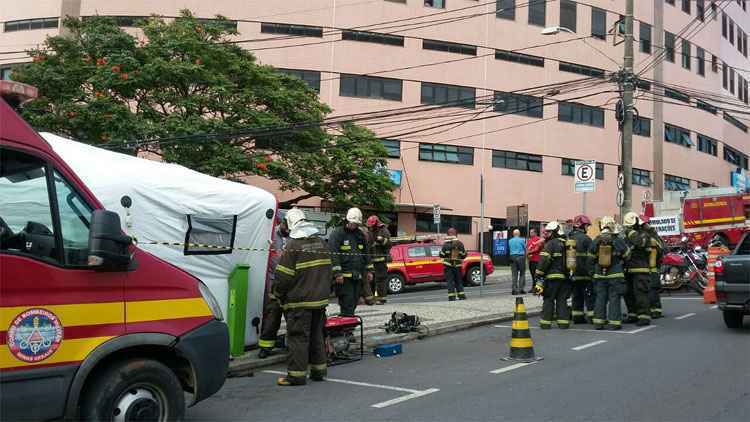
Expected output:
(420, 262)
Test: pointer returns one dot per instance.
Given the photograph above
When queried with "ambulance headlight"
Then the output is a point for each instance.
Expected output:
(211, 301)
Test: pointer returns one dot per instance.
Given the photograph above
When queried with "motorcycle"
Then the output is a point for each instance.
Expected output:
(683, 266)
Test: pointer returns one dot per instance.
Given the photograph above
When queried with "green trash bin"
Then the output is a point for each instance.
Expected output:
(237, 309)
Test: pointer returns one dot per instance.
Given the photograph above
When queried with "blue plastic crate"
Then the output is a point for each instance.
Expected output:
(387, 350)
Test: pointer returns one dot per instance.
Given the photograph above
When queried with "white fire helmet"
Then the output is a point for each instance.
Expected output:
(630, 219)
(553, 226)
(354, 215)
(293, 217)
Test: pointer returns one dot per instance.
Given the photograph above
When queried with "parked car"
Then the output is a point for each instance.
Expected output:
(733, 283)
(420, 262)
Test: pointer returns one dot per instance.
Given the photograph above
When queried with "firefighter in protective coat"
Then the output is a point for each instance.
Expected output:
(380, 247)
(303, 283)
(552, 281)
(453, 253)
(608, 251)
(350, 254)
(638, 277)
(578, 255)
(655, 255)
(272, 311)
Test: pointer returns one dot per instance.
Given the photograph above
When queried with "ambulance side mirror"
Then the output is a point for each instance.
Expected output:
(108, 247)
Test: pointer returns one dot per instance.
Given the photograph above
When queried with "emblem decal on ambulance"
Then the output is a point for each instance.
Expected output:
(34, 335)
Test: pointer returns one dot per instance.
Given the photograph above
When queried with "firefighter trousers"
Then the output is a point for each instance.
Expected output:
(583, 296)
(636, 296)
(381, 277)
(556, 292)
(653, 295)
(366, 291)
(455, 285)
(306, 341)
(348, 295)
(609, 292)
(269, 327)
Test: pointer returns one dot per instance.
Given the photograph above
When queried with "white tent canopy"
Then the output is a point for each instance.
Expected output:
(171, 203)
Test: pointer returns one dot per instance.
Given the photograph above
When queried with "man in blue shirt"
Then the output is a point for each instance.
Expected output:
(517, 246)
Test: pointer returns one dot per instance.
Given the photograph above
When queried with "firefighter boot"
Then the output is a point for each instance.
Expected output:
(264, 353)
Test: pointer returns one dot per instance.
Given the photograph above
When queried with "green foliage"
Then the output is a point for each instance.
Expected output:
(100, 84)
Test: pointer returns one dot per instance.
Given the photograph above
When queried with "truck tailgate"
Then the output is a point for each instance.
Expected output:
(736, 269)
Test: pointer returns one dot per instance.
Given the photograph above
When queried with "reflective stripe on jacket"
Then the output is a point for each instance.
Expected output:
(303, 275)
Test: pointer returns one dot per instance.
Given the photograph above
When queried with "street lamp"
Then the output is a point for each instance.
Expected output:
(554, 30)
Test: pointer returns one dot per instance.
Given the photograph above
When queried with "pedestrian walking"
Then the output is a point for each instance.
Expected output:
(272, 311)
(350, 255)
(303, 283)
(609, 252)
(552, 282)
(638, 276)
(453, 253)
(578, 246)
(534, 247)
(517, 246)
(380, 247)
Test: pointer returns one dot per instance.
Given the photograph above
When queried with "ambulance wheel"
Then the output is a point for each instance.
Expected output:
(395, 283)
(134, 390)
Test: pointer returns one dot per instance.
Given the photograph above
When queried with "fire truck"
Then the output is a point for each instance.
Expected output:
(701, 215)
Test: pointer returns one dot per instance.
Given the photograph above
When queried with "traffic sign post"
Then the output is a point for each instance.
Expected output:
(585, 179)
(436, 216)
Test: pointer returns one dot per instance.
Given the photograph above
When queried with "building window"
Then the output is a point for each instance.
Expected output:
(702, 185)
(735, 157)
(731, 80)
(669, 45)
(645, 38)
(714, 64)
(675, 183)
(670, 2)
(739, 39)
(426, 223)
(744, 88)
(5, 73)
(724, 25)
(707, 145)
(642, 126)
(449, 47)
(569, 164)
(598, 23)
(677, 135)
(724, 75)
(438, 4)
(311, 77)
(134, 21)
(392, 147)
(686, 6)
(677, 95)
(580, 114)
(446, 154)
(701, 59)
(526, 105)
(735, 122)
(744, 44)
(700, 9)
(568, 14)
(227, 25)
(641, 177)
(686, 54)
(29, 24)
(538, 13)
(731, 32)
(370, 87)
(449, 95)
(706, 106)
(510, 56)
(516, 161)
(372, 37)
(740, 83)
(506, 9)
(581, 69)
(288, 29)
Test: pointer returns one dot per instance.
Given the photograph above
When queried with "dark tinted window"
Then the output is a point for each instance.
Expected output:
(580, 114)
(393, 147)
(446, 154)
(568, 17)
(311, 77)
(511, 56)
(370, 87)
(538, 13)
(506, 102)
(449, 47)
(517, 161)
(598, 23)
(506, 9)
(707, 145)
(449, 95)
(288, 29)
(645, 38)
(372, 37)
(677, 135)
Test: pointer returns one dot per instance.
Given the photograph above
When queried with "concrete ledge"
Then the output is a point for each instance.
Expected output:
(246, 364)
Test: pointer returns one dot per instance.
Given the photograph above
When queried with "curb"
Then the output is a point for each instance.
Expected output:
(244, 366)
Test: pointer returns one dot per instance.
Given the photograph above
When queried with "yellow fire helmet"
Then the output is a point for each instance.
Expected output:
(630, 219)
(607, 222)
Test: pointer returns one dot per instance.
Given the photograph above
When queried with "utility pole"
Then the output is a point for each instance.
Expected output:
(628, 82)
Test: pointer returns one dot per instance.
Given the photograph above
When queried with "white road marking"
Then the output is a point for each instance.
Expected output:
(401, 399)
(642, 329)
(573, 329)
(681, 298)
(587, 345)
(413, 394)
(714, 307)
(512, 367)
(685, 316)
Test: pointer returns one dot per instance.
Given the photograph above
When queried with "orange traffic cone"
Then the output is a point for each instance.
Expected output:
(521, 345)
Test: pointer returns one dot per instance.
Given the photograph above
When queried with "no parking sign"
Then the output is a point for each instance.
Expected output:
(585, 176)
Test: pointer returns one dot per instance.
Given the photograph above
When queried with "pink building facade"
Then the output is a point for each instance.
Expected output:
(460, 65)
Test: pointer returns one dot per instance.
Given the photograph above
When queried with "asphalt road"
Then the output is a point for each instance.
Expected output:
(687, 367)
